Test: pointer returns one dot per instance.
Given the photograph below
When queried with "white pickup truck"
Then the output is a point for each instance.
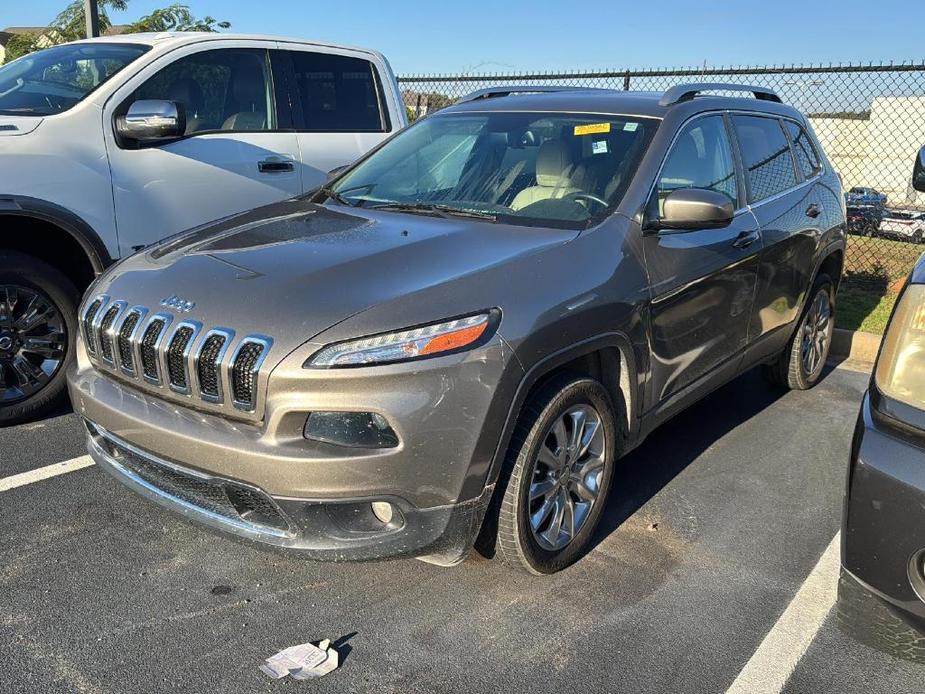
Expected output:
(111, 144)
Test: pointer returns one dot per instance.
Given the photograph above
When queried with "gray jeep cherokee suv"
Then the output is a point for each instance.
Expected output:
(457, 338)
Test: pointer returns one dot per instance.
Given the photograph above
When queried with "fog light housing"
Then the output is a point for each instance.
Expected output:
(384, 511)
(350, 429)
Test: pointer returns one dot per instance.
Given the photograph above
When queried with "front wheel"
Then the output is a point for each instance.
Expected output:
(800, 365)
(557, 475)
(38, 308)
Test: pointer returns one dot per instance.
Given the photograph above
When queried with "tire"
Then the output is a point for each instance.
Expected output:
(35, 349)
(517, 543)
(791, 370)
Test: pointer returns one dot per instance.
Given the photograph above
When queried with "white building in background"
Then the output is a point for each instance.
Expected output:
(878, 151)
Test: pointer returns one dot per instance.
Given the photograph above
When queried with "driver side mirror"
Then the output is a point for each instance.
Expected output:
(696, 208)
(152, 119)
(918, 172)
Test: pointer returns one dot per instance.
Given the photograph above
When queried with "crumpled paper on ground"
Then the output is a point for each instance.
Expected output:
(302, 662)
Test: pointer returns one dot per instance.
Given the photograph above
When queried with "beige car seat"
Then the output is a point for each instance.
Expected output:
(553, 176)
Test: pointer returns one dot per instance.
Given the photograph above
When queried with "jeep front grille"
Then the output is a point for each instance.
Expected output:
(246, 363)
(126, 354)
(105, 338)
(205, 365)
(176, 357)
(89, 315)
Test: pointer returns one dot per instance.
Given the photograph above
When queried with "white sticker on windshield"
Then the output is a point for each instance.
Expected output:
(599, 147)
(631, 127)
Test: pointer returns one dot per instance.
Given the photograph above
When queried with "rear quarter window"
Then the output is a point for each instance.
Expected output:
(803, 149)
(337, 93)
(766, 156)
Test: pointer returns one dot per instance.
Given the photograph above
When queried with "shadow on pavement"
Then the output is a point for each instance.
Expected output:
(677, 443)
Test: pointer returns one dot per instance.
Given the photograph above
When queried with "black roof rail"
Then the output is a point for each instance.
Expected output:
(491, 92)
(686, 92)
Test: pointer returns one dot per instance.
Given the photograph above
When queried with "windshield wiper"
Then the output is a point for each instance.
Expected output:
(434, 210)
(336, 197)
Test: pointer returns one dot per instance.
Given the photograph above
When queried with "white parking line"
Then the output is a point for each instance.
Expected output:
(43, 473)
(771, 665)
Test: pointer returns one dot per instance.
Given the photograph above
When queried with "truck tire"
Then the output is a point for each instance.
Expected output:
(556, 478)
(800, 365)
(38, 328)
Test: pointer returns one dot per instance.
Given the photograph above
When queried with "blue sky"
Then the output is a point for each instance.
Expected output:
(512, 35)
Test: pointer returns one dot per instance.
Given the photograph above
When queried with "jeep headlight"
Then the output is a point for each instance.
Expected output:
(900, 371)
(431, 340)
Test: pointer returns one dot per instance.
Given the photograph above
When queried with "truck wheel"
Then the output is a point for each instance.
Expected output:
(557, 475)
(38, 325)
(800, 365)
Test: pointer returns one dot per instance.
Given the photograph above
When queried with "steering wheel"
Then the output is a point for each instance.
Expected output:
(578, 197)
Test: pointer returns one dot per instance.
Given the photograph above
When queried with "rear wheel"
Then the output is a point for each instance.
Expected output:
(38, 307)
(800, 365)
(557, 475)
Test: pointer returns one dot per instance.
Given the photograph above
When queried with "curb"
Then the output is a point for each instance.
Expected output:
(855, 345)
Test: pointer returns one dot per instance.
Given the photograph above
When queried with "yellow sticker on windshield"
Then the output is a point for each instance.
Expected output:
(592, 128)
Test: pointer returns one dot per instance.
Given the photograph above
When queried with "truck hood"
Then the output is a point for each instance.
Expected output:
(18, 125)
(294, 269)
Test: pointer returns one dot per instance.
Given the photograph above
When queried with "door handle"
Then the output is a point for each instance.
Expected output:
(746, 239)
(275, 166)
(813, 211)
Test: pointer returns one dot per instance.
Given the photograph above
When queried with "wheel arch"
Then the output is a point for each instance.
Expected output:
(608, 357)
(55, 235)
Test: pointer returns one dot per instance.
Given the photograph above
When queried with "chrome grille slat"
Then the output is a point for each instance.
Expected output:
(208, 365)
(106, 334)
(175, 355)
(245, 365)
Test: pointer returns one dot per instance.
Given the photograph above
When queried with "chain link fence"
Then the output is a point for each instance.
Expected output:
(870, 120)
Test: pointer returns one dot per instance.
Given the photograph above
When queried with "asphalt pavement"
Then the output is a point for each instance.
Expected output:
(713, 527)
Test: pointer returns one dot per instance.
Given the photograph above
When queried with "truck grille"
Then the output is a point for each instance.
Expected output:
(207, 366)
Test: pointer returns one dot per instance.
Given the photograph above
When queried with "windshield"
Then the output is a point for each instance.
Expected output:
(53, 80)
(539, 169)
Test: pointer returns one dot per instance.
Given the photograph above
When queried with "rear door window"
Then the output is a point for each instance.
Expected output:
(766, 156)
(337, 93)
(803, 150)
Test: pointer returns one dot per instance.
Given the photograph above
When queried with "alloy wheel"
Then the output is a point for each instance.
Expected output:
(33, 342)
(817, 330)
(566, 478)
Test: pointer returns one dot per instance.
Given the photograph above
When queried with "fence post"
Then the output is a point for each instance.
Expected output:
(626, 81)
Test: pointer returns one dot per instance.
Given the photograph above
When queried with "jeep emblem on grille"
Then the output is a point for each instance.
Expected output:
(178, 304)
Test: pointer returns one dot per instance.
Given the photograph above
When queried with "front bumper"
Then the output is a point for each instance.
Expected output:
(883, 527)
(311, 496)
(341, 530)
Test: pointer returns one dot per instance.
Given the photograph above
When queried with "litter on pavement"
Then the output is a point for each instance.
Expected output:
(302, 662)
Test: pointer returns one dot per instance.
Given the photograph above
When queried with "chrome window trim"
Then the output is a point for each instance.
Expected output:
(267, 343)
(218, 364)
(132, 338)
(195, 326)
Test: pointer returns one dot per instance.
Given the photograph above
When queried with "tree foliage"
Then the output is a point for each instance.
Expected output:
(70, 25)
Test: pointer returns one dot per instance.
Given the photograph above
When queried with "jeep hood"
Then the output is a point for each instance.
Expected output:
(294, 269)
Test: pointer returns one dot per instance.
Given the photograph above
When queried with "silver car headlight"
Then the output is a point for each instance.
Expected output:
(900, 371)
(431, 340)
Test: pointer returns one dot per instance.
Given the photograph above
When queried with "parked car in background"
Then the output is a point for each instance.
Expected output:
(463, 332)
(864, 220)
(109, 145)
(883, 526)
(861, 196)
(904, 225)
